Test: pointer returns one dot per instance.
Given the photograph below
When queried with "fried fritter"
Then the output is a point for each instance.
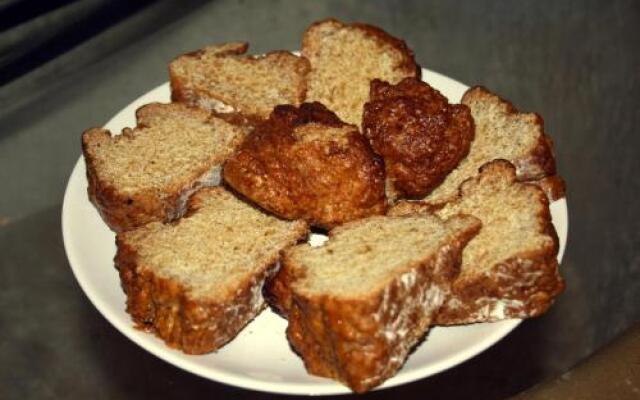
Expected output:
(420, 136)
(305, 163)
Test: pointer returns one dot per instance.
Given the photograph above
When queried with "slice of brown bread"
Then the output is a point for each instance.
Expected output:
(509, 270)
(197, 282)
(359, 303)
(147, 173)
(222, 78)
(502, 132)
(345, 58)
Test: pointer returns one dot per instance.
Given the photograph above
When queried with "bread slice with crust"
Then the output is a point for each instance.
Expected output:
(509, 270)
(503, 132)
(197, 282)
(359, 303)
(222, 78)
(147, 173)
(345, 58)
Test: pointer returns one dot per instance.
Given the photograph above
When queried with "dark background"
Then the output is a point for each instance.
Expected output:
(70, 65)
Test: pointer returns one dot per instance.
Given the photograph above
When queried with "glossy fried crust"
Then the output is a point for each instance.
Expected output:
(324, 179)
(418, 133)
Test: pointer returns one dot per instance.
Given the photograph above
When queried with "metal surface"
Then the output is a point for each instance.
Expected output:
(576, 63)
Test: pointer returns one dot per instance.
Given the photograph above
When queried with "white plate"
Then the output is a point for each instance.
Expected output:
(260, 357)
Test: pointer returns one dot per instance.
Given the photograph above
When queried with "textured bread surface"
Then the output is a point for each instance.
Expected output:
(304, 163)
(147, 173)
(420, 136)
(345, 58)
(509, 270)
(197, 282)
(222, 78)
(501, 132)
(359, 303)
(553, 186)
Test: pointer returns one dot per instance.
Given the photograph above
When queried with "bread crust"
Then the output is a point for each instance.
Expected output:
(125, 211)
(522, 286)
(539, 163)
(277, 290)
(553, 186)
(182, 92)
(122, 212)
(408, 64)
(194, 325)
(326, 182)
(165, 308)
(418, 133)
(363, 341)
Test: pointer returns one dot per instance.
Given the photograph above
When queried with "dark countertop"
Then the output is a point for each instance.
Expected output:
(576, 63)
(612, 373)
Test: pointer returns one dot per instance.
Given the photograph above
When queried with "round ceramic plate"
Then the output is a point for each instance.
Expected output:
(260, 357)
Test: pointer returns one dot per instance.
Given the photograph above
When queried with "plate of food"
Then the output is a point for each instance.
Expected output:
(342, 213)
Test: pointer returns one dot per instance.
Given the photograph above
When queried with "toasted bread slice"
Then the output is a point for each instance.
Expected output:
(509, 270)
(345, 58)
(502, 132)
(359, 303)
(147, 173)
(197, 282)
(304, 163)
(221, 78)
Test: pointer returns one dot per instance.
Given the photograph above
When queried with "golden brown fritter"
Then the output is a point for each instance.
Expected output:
(418, 133)
(305, 163)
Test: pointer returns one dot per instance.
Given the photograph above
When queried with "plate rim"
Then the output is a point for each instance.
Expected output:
(324, 387)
